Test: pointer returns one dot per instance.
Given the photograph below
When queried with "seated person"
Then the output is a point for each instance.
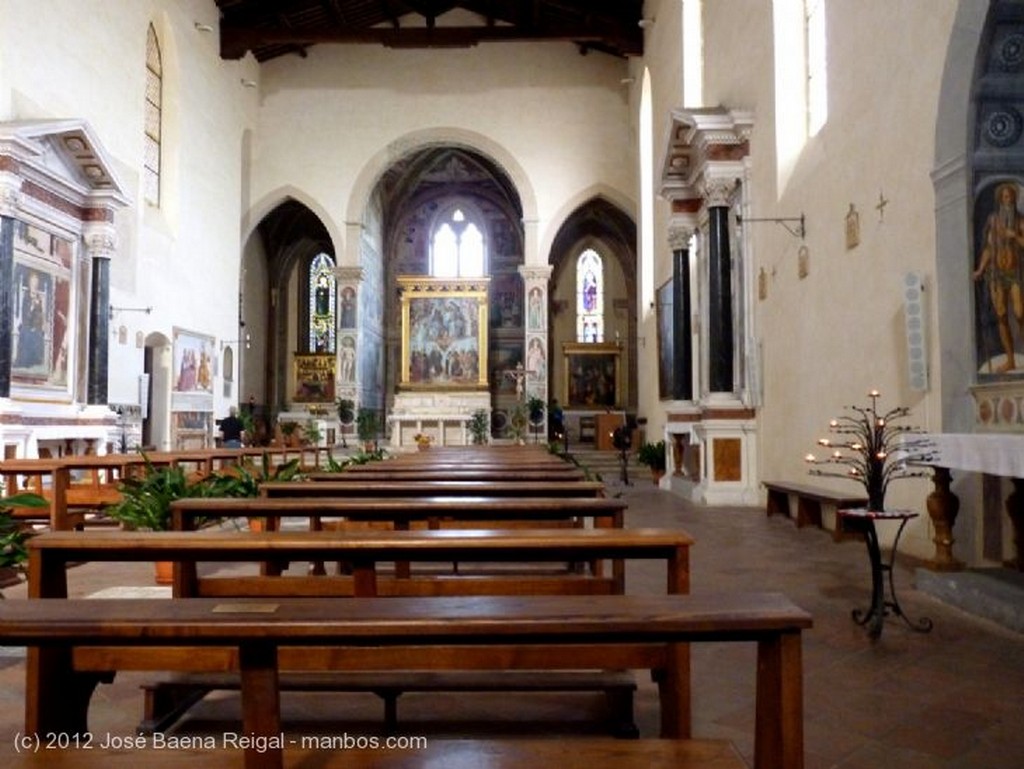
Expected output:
(231, 428)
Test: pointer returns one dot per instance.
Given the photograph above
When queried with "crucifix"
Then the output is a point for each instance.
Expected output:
(882, 203)
(519, 374)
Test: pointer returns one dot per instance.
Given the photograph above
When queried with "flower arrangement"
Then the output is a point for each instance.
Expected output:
(423, 441)
(872, 449)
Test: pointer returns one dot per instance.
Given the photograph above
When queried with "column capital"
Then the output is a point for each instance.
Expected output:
(718, 191)
(100, 239)
(349, 274)
(534, 273)
(10, 193)
(679, 235)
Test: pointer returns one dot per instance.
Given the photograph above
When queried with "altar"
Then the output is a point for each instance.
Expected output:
(994, 454)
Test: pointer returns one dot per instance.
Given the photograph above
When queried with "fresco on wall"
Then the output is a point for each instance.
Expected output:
(998, 266)
(192, 375)
(41, 307)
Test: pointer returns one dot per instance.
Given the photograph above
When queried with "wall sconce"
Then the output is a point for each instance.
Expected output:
(247, 340)
(112, 309)
(247, 83)
(201, 27)
(645, 23)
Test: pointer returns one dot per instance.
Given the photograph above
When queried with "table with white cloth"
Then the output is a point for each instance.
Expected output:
(989, 453)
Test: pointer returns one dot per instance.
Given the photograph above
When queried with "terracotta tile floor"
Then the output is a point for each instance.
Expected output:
(950, 699)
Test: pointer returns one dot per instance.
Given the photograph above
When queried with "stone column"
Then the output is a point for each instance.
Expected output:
(100, 244)
(682, 330)
(10, 191)
(720, 325)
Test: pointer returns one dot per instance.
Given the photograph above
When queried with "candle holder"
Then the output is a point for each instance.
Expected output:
(873, 449)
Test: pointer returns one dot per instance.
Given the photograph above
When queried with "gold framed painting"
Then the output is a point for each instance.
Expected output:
(314, 378)
(592, 376)
(444, 333)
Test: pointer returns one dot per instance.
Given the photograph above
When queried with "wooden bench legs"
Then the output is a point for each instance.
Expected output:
(779, 736)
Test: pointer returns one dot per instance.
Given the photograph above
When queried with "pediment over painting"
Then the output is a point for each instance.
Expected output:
(64, 157)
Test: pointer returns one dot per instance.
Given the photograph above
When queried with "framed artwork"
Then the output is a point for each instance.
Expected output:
(41, 308)
(314, 376)
(592, 377)
(663, 307)
(444, 333)
(192, 375)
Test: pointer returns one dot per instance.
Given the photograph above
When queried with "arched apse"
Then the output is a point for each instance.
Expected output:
(369, 177)
(603, 226)
(411, 193)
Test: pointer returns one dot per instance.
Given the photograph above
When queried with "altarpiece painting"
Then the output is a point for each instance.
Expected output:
(444, 333)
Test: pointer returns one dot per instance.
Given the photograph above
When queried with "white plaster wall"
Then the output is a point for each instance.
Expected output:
(556, 120)
(831, 337)
(183, 258)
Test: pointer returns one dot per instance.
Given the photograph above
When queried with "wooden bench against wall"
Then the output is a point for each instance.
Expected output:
(168, 698)
(57, 694)
(809, 501)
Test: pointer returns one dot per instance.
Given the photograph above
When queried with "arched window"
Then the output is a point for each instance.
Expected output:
(457, 247)
(154, 107)
(322, 304)
(589, 297)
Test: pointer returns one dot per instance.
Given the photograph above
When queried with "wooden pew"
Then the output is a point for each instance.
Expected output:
(399, 472)
(339, 485)
(436, 511)
(57, 695)
(367, 552)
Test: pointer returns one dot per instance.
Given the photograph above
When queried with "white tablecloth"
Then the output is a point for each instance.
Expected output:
(989, 453)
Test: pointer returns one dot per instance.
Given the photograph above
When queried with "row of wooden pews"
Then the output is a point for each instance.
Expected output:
(414, 604)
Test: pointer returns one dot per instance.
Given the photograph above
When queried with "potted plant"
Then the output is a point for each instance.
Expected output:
(346, 416)
(479, 427)
(367, 425)
(146, 501)
(653, 455)
(13, 536)
(288, 433)
(518, 423)
(423, 441)
(311, 433)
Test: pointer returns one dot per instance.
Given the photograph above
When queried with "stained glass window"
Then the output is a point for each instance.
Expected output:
(457, 247)
(153, 119)
(589, 297)
(322, 304)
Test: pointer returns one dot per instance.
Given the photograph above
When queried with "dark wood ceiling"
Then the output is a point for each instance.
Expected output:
(272, 28)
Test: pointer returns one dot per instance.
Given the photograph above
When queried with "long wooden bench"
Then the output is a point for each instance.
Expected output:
(338, 485)
(168, 698)
(57, 695)
(337, 752)
(434, 511)
(398, 472)
(809, 501)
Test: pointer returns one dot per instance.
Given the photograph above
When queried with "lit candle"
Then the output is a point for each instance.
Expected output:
(809, 458)
(874, 393)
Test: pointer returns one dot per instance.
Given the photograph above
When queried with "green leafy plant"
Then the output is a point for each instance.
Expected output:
(244, 480)
(311, 433)
(652, 455)
(367, 424)
(535, 408)
(13, 536)
(146, 500)
(479, 427)
(346, 410)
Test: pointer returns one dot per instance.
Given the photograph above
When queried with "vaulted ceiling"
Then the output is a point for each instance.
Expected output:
(272, 28)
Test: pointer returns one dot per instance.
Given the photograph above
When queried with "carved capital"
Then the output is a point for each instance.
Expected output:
(535, 273)
(100, 240)
(352, 275)
(718, 191)
(10, 193)
(679, 236)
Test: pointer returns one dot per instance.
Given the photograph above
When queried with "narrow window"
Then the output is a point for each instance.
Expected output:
(322, 301)
(457, 247)
(154, 96)
(817, 65)
(589, 297)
